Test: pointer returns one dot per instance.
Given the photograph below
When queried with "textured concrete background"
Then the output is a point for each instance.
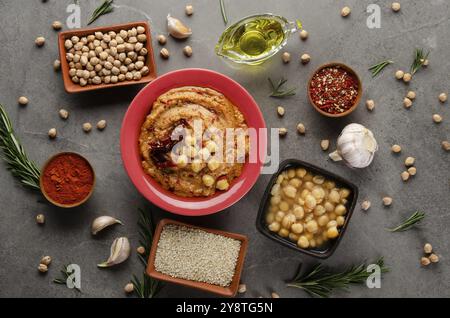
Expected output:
(27, 70)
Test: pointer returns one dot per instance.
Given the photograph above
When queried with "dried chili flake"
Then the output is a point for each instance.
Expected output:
(334, 90)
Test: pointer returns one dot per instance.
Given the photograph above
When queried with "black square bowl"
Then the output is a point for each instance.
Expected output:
(320, 252)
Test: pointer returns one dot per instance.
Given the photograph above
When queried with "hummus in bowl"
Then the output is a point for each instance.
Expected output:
(194, 141)
(218, 101)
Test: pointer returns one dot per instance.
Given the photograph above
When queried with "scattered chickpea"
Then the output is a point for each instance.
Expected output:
(64, 114)
(365, 205)
(286, 57)
(426, 62)
(282, 131)
(56, 65)
(275, 295)
(52, 133)
(301, 128)
(40, 41)
(189, 9)
(345, 11)
(325, 144)
(304, 35)
(387, 201)
(425, 261)
(433, 258)
(187, 50)
(129, 288)
(407, 102)
(22, 100)
(140, 250)
(409, 161)
(443, 97)
(162, 39)
(405, 175)
(101, 124)
(57, 25)
(46, 260)
(407, 77)
(164, 53)
(428, 248)
(445, 145)
(242, 288)
(42, 268)
(87, 127)
(280, 111)
(370, 104)
(395, 6)
(412, 171)
(411, 95)
(40, 219)
(396, 148)
(399, 74)
(437, 118)
(305, 58)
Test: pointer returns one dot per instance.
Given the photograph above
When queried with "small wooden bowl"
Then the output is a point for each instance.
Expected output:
(352, 73)
(72, 87)
(41, 182)
(229, 291)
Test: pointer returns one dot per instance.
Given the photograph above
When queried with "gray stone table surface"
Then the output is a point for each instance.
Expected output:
(27, 70)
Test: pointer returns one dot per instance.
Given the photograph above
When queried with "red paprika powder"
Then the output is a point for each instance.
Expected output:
(67, 179)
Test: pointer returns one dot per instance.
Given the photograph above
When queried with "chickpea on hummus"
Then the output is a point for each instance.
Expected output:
(187, 145)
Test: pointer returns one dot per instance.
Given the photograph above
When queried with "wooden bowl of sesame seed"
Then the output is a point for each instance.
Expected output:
(334, 90)
(197, 257)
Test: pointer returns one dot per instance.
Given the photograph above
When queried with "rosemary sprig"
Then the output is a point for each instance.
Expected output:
(414, 219)
(14, 155)
(104, 8)
(419, 59)
(377, 68)
(320, 282)
(66, 275)
(277, 90)
(223, 11)
(147, 287)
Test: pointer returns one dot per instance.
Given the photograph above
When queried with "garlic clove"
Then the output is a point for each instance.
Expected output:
(335, 156)
(120, 251)
(103, 222)
(177, 29)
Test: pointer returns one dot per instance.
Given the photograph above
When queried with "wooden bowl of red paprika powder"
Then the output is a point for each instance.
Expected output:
(67, 180)
(334, 90)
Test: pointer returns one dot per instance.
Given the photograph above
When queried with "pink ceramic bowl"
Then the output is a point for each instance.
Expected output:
(140, 108)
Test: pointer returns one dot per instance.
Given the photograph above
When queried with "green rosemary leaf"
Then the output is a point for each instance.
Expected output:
(377, 68)
(414, 219)
(105, 8)
(63, 281)
(320, 282)
(277, 89)
(419, 60)
(223, 11)
(14, 154)
(147, 287)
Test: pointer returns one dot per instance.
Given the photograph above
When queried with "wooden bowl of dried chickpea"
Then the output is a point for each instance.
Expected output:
(306, 208)
(105, 57)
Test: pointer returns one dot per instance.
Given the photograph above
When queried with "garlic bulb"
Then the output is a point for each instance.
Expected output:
(120, 251)
(177, 29)
(102, 222)
(356, 146)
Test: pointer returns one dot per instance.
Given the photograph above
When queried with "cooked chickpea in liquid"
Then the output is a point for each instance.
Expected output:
(305, 208)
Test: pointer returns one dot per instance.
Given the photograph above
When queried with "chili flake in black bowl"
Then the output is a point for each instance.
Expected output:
(334, 90)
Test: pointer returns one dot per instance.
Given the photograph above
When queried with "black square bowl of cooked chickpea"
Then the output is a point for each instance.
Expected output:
(306, 208)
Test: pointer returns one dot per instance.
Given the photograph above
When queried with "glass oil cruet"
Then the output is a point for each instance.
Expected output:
(256, 38)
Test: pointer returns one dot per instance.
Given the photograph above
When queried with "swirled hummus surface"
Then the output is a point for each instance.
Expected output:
(185, 141)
